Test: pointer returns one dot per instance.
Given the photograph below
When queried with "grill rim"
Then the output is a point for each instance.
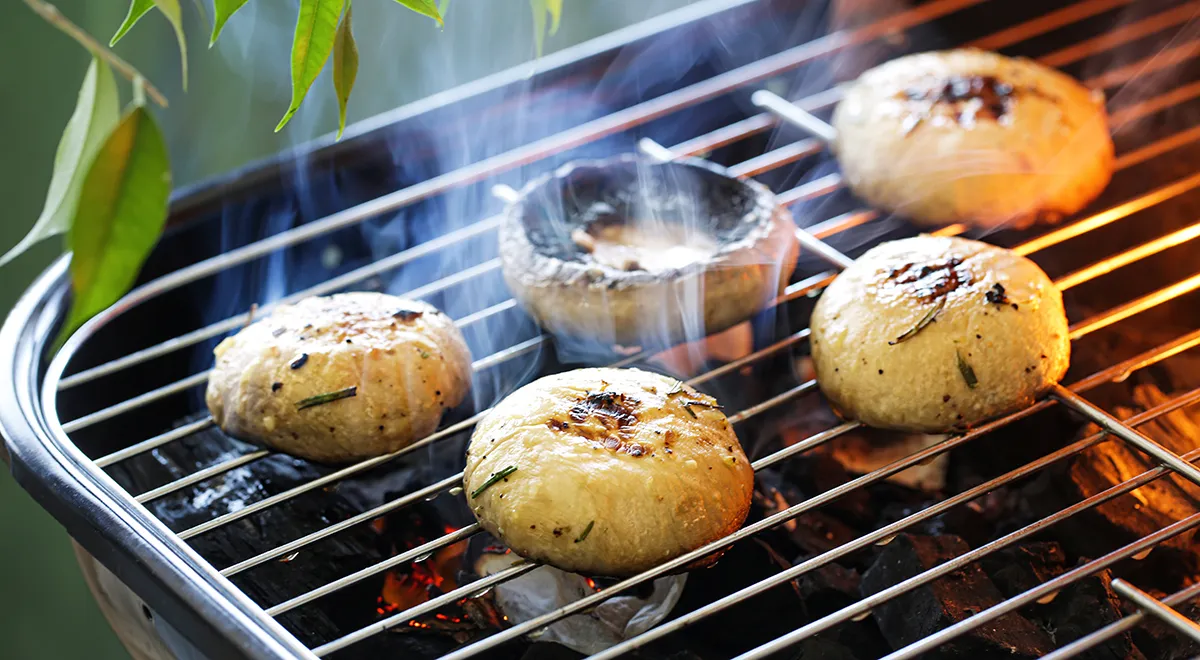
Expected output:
(167, 575)
(60, 295)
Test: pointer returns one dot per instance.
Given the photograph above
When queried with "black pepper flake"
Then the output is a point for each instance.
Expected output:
(1016, 307)
(349, 342)
(407, 315)
(996, 295)
(275, 386)
(945, 398)
(300, 361)
(979, 336)
(881, 372)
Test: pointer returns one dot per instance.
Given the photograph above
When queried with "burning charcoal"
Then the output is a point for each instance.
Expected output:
(1142, 512)
(946, 601)
(1082, 608)
(1017, 569)
(1158, 641)
(817, 473)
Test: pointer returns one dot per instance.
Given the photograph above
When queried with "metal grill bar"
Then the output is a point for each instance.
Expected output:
(884, 534)
(1185, 342)
(403, 558)
(1127, 257)
(1136, 306)
(1139, 440)
(720, 137)
(371, 514)
(616, 122)
(864, 606)
(1157, 608)
(1047, 240)
(1052, 238)
(155, 442)
(1119, 627)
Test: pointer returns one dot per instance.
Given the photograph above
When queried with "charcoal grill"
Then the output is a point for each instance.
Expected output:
(111, 435)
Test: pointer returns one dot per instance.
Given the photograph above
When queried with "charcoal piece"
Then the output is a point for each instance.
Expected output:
(816, 648)
(757, 620)
(828, 589)
(1140, 513)
(550, 651)
(817, 473)
(1084, 607)
(1017, 569)
(1158, 641)
(925, 610)
(816, 532)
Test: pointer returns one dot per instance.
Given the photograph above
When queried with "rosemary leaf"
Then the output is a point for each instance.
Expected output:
(925, 320)
(327, 397)
(676, 388)
(689, 410)
(492, 480)
(967, 372)
(586, 530)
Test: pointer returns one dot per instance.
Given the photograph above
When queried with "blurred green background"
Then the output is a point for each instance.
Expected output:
(237, 92)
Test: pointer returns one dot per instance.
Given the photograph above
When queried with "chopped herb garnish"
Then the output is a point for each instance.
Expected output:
(326, 398)
(300, 361)
(925, 320)
(586, 530)
(967, 372)
(690, 411)
(676, 388)
(275, 386)
(407, 315)
(424, 354)
(492, 480)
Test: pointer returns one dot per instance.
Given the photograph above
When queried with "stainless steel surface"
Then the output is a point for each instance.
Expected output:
(796, 112)
(1157, 608)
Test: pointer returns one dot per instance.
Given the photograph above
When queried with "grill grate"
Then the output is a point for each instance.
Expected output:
(745, 78)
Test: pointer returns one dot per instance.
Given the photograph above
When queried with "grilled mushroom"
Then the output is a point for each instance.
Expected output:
(935, 334)
(340, 378)
(974, 137)
(607, 471)
(630, 251)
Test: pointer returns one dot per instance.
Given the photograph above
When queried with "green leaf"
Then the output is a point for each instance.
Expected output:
(222, 10)
(95, 114)
(345, 66)
(137, 9)
(542, 8)
(424, 7)
(122, 208)
(170, 9)
(316, 28)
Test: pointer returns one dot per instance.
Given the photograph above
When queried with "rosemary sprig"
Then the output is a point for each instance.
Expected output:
(705, 404)
(925, 320)
(492, 480)
(967, 372)
(690, 411)
(586, 530)
(676, 388)
(327, 397)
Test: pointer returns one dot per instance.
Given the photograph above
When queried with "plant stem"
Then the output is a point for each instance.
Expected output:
(53, 16)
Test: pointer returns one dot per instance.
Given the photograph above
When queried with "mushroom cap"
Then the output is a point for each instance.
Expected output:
(612, 474)
(934, 334)
(573, 294)
(974, 137)
(406, 361)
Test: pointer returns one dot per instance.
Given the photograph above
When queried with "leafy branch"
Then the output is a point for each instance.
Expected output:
(111, 182)
(53, 16)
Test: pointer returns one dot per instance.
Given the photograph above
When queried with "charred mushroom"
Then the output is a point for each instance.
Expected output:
(340, 378)
(974, 137)
(607, 471)
(630, 251)
(935, 334)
